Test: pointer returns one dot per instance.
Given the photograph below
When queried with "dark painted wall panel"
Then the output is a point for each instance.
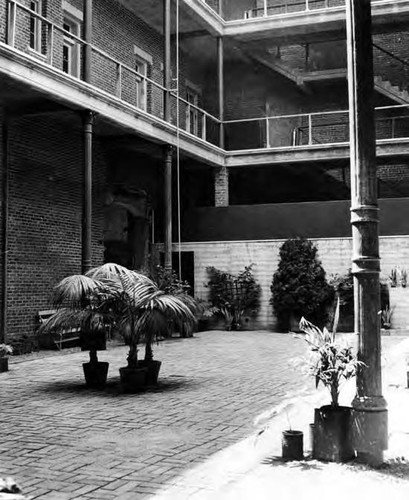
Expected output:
(280, 221)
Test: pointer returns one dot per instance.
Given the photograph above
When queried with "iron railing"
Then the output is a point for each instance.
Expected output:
(109, 73)
(311, 129)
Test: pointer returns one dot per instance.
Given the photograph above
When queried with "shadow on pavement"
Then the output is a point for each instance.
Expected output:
(113, 387)
(397, 467)
(307, 464)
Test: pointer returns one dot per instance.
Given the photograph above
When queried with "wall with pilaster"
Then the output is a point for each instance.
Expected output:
(45, 212)
(334, 253)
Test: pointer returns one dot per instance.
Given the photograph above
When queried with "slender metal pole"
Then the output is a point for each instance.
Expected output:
(167, 162)
(221, 8)
(88, 122)
(166, 59)
(370, 434)
(5, 223)
(88, 40)
(220, 80)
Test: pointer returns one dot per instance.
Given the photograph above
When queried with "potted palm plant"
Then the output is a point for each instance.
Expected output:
(144, 314)
(5, 351)
(330, 363)
(88, 304)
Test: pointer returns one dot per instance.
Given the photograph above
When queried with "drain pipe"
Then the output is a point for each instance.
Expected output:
(4, 295)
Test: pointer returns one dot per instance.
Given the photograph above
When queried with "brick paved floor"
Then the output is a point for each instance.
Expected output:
(61, 440)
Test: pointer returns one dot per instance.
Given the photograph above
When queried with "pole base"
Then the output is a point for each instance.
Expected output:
(370, 429)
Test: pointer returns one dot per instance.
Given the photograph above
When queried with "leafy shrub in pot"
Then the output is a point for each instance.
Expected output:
(330, 363)
(234, 295)
(299, 285)
(143, 312)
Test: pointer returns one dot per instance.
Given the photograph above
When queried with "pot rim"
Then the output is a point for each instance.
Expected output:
(292, 432)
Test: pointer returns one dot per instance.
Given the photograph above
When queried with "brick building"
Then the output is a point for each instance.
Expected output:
(129, 126)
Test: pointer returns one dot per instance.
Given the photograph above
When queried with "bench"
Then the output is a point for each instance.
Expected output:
(59, 337)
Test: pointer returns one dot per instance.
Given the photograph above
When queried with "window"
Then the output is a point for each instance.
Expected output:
(143, 62)
(142, 68)
(35, 26)
(192, 115)
(70, 50)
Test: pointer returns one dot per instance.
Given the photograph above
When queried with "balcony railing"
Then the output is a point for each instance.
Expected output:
(146, 95)
(108, 73)
(275, 8)
(311, 129)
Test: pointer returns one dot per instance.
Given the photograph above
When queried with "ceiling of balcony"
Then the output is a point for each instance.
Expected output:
(152, 13)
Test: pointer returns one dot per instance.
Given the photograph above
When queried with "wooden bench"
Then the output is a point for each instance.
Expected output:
(60, 337)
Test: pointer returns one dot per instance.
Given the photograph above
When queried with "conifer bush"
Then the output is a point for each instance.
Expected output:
(299, 286)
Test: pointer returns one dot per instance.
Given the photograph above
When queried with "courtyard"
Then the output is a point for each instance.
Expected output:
(64, 441)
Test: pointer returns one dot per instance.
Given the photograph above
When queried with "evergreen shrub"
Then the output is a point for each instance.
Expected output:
(299, 286)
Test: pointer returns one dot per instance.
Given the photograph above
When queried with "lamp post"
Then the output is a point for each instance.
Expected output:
(370, 413)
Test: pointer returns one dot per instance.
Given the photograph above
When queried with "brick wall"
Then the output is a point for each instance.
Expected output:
(115, 31)
(335, 255)
(45, 212)
(254, 92)
(221, 187)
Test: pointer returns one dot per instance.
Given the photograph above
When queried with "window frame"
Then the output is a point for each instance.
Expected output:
(142, 62)
(192, 113)
(73, 59)
(35, 38)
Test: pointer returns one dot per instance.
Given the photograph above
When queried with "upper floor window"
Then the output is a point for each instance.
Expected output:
(192, 114)
(35, 26)
(70, 50)
(142, 63)
(72, 23)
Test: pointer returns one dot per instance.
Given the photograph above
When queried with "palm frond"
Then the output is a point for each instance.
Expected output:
(74, 291)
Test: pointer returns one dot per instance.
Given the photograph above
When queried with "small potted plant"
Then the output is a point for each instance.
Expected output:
(403, 278)
(393, 277)
(386, 317)
(5, 351)
(331, 364)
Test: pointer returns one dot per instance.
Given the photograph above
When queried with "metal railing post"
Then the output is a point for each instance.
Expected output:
(267, 132)
(204, 132)
(307, 5)
(309, 129)
(265, 8)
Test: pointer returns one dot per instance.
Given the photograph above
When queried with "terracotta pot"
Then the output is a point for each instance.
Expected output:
(332, 434)
(152, 372)
(133, 379)
(292, 445)
(4, 364)
(95, 374)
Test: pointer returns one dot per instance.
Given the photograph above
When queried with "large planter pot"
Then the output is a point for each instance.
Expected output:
(133, 379)
(95, 374)
(152, 370)
(332, 434)
(292, 445)
(4, 364)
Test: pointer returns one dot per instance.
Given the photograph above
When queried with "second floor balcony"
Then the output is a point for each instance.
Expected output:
(138, 87)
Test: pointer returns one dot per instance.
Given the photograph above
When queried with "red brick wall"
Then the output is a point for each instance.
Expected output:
(45, 212)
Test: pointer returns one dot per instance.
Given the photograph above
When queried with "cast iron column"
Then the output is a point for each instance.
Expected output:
(167, 160)
(87, 39)
(370, 433)
(220, 84)
(88, 121)
(166, 60)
